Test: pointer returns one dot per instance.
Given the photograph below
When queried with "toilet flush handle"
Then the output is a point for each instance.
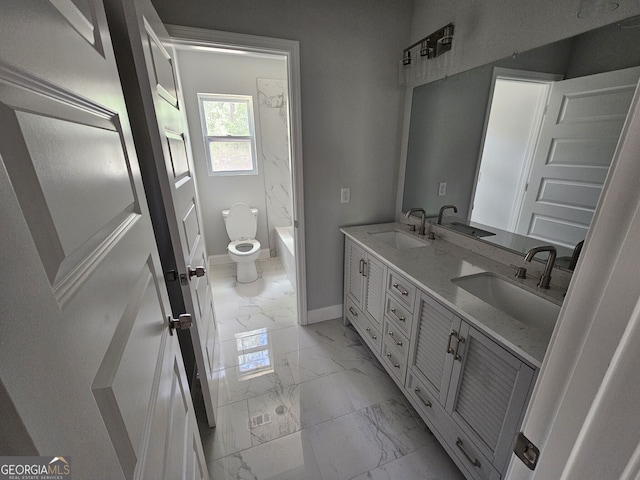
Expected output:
(196, 272)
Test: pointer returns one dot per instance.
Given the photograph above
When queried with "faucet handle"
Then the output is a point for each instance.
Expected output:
(521, 272)
(412, 227)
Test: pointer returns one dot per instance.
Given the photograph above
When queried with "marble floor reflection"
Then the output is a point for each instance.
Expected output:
(306, 402)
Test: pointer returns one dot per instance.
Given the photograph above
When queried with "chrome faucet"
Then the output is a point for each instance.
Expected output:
(422, 220)
(445, 207)
(545, 278)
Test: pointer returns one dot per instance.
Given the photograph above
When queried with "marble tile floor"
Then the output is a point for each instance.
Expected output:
(310, 402)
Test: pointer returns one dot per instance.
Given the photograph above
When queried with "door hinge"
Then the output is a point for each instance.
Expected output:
(183, 322)
(295, 224)
(526, 451)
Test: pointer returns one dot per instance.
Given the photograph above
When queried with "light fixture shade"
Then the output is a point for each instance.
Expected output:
(596, 8)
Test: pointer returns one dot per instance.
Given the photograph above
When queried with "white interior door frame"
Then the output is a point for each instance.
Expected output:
(517, 75)
(199, 37)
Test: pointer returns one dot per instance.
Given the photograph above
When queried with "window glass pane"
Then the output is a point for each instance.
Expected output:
(230, 156)
(226, 118)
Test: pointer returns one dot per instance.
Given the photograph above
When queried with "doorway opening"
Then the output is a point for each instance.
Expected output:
(267, 71)
(514, 118)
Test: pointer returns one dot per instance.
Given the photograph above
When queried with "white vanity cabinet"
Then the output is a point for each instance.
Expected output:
(468, 388)
(364, 293)
(482, 387)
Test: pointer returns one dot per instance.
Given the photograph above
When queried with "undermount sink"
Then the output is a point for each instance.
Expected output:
(468, 229)
(399, 240)
(523, 305)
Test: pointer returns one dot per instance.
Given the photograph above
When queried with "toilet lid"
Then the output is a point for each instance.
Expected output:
(241, 222)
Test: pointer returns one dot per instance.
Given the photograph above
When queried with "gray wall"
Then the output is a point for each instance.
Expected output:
(205, 72)
(351, 109)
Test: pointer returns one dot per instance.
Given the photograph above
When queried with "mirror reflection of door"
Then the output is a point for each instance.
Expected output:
(577, 143)
(542, 169)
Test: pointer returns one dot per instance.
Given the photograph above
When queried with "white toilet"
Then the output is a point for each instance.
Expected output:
(241, 222)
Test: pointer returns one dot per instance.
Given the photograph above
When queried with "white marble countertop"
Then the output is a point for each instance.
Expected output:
(432, 267)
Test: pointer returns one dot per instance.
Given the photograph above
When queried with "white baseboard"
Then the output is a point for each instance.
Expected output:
(224, 259)
(322, 314)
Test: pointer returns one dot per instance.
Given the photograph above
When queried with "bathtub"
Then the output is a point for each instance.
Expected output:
(285, 249)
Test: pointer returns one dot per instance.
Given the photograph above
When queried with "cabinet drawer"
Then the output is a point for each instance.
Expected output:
(469, 455)
(393, 360)
(367, 331)
(372, 337)
(466, 454)
(399, 314)
(426, 404)
(403, 289)
(396, 339)
(352, 312)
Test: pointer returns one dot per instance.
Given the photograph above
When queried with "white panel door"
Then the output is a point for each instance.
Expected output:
(577, 141)
(163, 124)
(85, 355)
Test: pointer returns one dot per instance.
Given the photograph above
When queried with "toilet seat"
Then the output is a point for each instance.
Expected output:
(241, 222)
(243, 248)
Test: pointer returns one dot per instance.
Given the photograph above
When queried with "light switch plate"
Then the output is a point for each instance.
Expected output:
(442, 189)
(345, 195)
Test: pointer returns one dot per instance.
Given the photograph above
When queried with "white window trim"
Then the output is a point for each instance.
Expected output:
(251, 138)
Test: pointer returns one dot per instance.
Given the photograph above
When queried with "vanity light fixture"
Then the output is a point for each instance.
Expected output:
(431, 46)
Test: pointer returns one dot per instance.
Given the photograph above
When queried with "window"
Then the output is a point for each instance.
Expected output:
(229, 139)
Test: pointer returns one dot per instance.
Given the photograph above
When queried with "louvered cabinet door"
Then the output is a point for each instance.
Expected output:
(488, 393)
(354, 270)
(373, 304)
(435, 331)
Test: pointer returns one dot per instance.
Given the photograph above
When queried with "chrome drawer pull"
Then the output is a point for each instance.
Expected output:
(451, 335)
(402, 319)
(361, 266)
(353, 311)
(398, 343)
(372, 336)
(456, 355)
(427, 403)
(397, 365)
(475, 462)
(403, 292)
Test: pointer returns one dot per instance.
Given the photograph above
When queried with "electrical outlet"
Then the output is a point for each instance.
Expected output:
(442, 189)
(345, 195)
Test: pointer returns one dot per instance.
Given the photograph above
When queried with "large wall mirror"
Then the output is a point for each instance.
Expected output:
(522, 146)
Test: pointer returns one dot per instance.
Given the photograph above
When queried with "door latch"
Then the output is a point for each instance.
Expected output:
(183, 322)
(526, 451)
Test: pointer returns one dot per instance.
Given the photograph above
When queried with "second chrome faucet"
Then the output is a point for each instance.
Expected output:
(422, 219)
(545, 278)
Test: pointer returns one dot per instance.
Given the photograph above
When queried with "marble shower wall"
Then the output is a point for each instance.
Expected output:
(274, 137)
